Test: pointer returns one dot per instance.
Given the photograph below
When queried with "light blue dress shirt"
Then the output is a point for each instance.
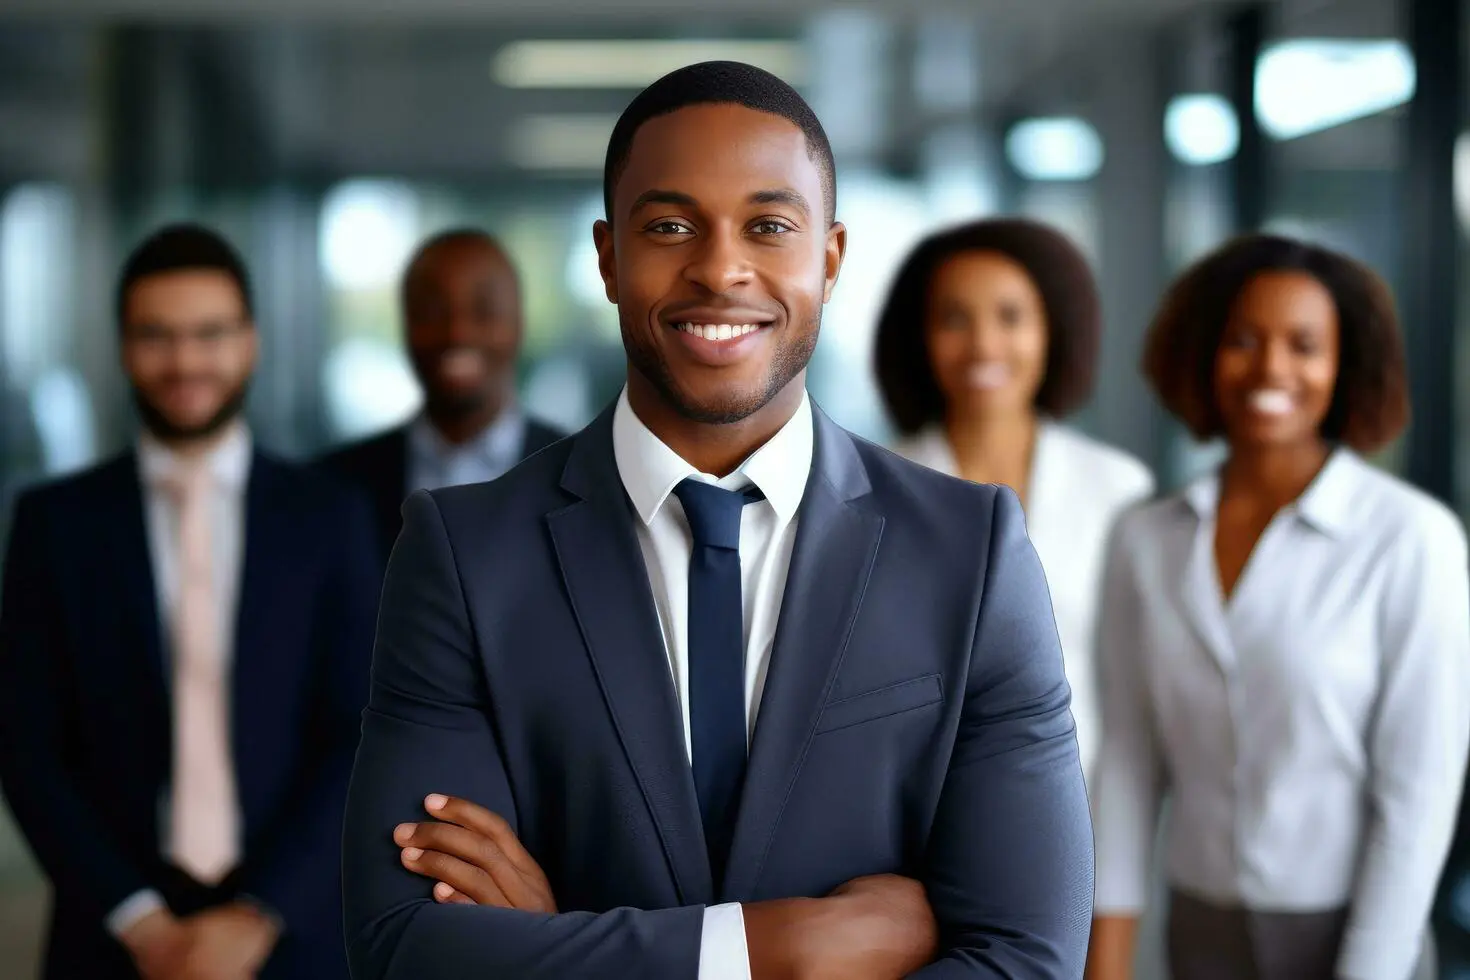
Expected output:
(433, 462)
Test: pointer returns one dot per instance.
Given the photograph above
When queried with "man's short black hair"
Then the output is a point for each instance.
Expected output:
(456, 235)
(178, 248)
(460, 235)
(720, 83)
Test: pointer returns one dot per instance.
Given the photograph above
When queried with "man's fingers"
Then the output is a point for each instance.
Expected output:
(446, 894)
(481, 852)
(460, 876)
(474, 817)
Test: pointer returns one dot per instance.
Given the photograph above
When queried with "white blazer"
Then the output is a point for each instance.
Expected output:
(1077, 488)
(1310, 732)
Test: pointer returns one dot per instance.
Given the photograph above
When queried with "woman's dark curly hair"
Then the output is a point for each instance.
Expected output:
(1370, 401)
(1068, 294)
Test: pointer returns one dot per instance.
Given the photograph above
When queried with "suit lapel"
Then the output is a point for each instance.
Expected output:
(134, 556)
(597, 549)
(391, 483)
(836, 545)
(266, 547)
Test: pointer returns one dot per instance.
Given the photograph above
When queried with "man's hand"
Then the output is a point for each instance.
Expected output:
(474, 856)
(230, 942)
(874, 928)
(158, 944)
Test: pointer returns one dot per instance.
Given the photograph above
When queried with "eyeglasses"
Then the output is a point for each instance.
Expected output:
(209, 336)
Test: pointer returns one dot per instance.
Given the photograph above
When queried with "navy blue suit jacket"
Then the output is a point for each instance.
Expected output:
(380, 465)
(85, 716)
(915, 720)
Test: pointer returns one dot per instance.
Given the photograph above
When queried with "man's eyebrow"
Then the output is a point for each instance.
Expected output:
(783, 195)
(657, 196)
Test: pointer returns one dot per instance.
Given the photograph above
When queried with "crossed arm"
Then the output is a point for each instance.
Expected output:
(1013, 901)
(873, 928)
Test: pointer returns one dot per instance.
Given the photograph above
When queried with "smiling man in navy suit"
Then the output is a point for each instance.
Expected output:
(714, 689)
(185, 639)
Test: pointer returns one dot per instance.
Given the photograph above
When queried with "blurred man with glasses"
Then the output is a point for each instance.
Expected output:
(185, 635)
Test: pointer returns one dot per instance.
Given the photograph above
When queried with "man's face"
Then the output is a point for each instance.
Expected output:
(462, 312)
(719, 258)
(188, 348)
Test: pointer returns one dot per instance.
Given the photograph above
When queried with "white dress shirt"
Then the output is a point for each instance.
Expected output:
(650, 470)
(1311, 730)
(434, 462)
(1076, 490)
(229, 460)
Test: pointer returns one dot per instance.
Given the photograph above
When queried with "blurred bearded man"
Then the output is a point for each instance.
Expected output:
(185, 639)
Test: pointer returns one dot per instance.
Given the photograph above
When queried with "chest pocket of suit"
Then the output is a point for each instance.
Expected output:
(900, 698)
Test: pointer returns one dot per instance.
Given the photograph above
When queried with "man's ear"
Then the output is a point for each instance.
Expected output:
(607, 262)
(836, 251)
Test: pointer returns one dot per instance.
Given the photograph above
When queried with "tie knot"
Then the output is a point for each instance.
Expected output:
(714, 513)
(188, 482)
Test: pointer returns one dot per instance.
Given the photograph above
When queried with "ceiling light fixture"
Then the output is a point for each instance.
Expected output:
(631, 64)
(1055, 148)
(567, 142)
(1308, 85)
(1201, 129)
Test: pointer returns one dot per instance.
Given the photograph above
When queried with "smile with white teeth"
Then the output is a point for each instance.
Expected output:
(1270, 401)
(719, 331)
(461, 363)
(988, 376)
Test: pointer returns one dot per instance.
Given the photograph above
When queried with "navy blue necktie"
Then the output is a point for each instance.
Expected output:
(716, 660)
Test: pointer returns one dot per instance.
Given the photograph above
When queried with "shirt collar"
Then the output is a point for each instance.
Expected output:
(1326, 504)
(228, 461)
(650, 470)
(930, 446)
(500, 441)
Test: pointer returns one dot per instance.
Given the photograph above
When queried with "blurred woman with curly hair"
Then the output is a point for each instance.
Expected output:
(1284, 650)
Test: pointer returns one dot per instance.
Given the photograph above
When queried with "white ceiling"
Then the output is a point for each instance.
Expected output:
(586, 11)
(405, 85)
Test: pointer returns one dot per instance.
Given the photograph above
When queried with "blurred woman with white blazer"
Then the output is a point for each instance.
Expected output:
(1284, 648)
(987, 341)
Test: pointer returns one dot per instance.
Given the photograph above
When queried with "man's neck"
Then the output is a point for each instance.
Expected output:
(458, 428)
(193, 448)
(716, 449)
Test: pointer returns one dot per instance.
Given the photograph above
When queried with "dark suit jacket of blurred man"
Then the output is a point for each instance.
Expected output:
(85, 718)
(382, 465)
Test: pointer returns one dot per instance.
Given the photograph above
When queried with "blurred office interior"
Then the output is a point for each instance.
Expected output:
(325, 137)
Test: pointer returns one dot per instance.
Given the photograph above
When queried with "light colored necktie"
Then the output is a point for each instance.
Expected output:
(204, 814)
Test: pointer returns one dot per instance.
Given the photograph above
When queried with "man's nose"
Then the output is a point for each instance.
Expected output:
(720, 263)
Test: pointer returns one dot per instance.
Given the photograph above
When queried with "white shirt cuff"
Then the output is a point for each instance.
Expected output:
(132, 910)
(1373, 955)
(722, 951)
